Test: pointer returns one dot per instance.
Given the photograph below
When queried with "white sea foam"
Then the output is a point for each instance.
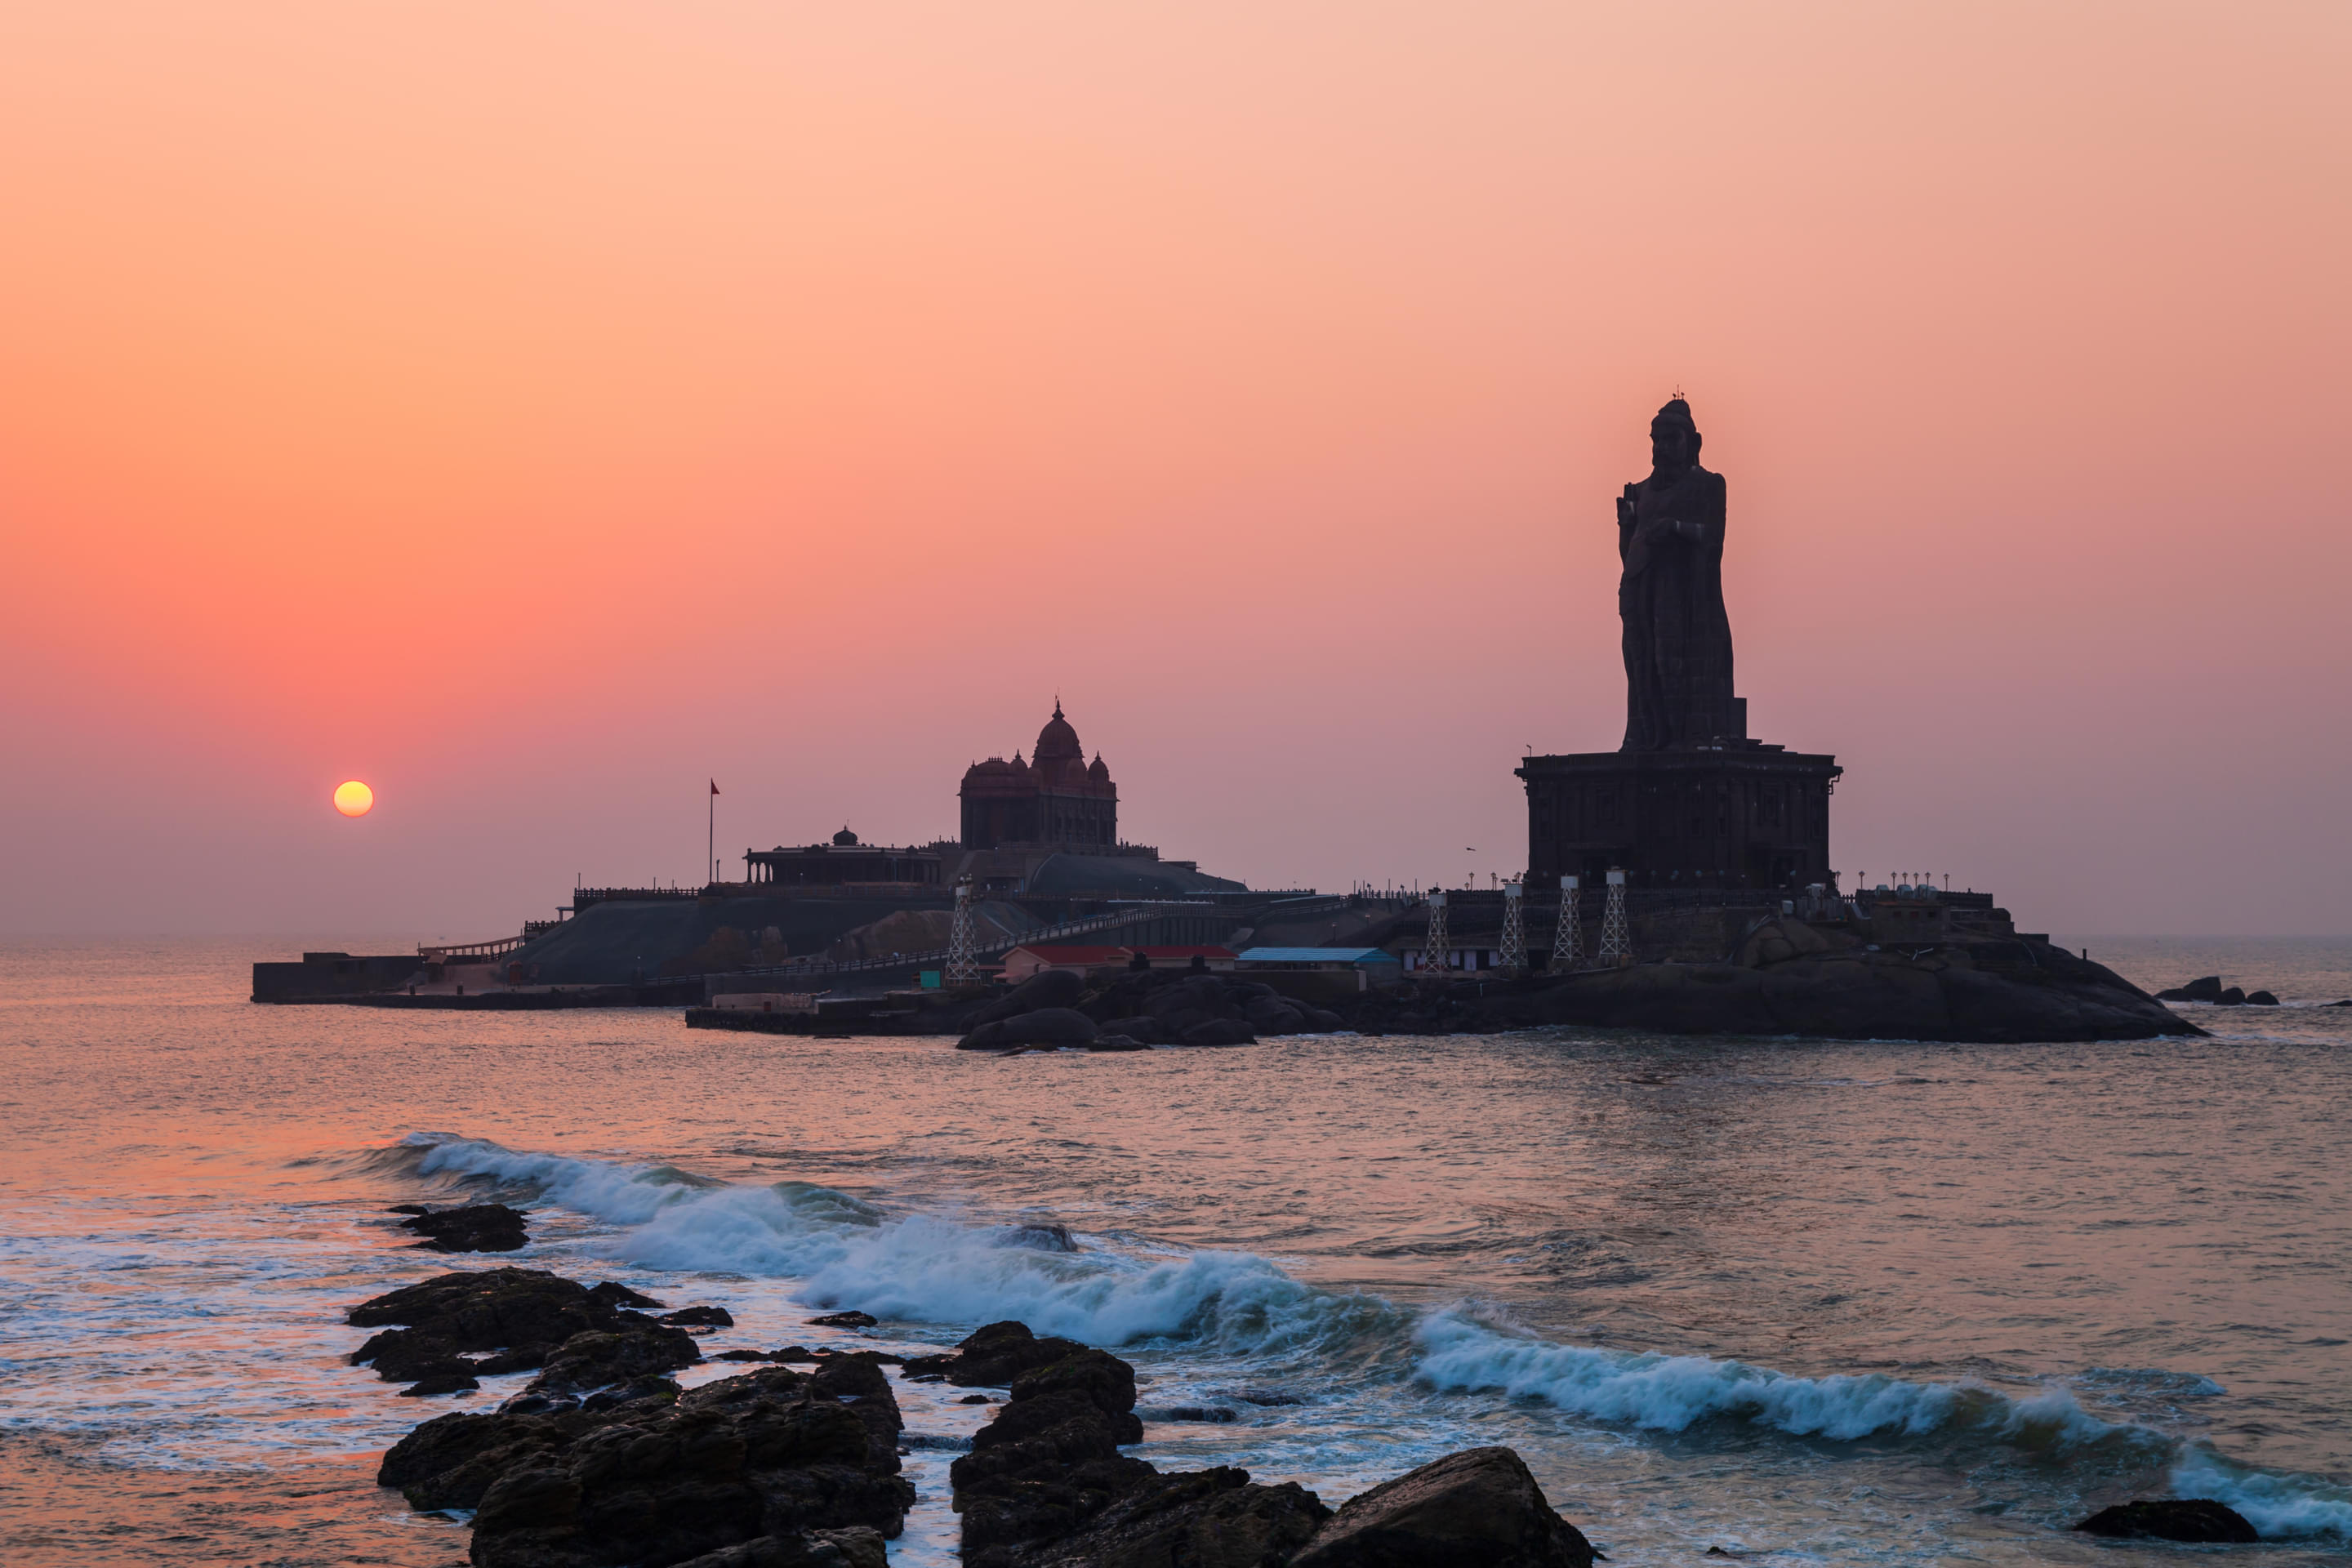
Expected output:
(2279, 1507)
(845, 1253)
(1672, 1392)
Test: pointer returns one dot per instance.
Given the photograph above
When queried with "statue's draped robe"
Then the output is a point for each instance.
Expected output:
(1677, 637)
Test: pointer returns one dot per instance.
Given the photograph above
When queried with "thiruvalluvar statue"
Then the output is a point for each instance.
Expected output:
(1677, 636)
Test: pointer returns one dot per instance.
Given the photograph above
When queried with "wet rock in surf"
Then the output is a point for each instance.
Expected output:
(438, 1329)
(845, 1321)
(614, 1294)
(1216, 1515)
(2208, 989)
(992, 1357)
(771, 1455)
(700, 1318)
(809, 1548)
(1039, 1238)
(1480, 1506)
(600, 1360)
(2171, 1518)
(477, 1228)
(1049, 1463)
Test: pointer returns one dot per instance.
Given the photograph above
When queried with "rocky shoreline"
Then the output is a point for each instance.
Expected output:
(1785, 979)
(605, 1461)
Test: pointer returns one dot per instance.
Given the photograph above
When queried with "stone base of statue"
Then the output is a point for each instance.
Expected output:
(1740, 816)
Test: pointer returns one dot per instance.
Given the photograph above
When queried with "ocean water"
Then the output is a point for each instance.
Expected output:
(1835, 1302)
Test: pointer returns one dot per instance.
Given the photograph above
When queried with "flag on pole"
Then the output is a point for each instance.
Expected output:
(714, 786)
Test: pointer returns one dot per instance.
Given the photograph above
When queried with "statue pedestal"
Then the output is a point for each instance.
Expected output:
(1745, 815)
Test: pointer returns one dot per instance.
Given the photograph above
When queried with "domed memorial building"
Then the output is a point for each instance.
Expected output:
(1057, 798)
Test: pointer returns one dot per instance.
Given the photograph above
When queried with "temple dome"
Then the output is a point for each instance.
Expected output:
(1057, 742)
(1097, 771)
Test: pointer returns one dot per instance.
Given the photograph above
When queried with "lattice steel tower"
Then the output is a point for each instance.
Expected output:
(963, 957)
(1436, 949)
(1514, 955)
(1616, 941)
(1567, 943)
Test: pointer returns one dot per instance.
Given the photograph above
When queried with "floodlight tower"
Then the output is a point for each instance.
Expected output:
(1513, 955)
(963, 961)
(1616, 941)
(1436, 950)
(1567, 944)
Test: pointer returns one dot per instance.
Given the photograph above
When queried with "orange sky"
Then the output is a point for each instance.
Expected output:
(534, 408)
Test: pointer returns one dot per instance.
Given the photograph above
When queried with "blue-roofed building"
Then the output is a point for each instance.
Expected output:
(1342, 968)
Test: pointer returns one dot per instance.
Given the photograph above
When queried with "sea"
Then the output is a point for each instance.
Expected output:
(1800, 1300)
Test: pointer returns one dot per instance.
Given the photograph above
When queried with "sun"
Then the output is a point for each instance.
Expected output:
(353, 798)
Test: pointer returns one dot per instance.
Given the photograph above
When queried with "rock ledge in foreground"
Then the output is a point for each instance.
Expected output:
(2171, 1518)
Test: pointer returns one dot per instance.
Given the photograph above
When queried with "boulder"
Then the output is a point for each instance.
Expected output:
(1219, 1031)
(1145, 1031)
(2261, 999)
(601, 1359)
(2171, 1518)
(1215, 1516)
(1275, 1016)
(994, 1356)
(805, 1549)
(770, 1454)
(845, 1321)
(1045, 1026)
(698, 1318)
(528, 1317)
(477, 1228)
(1115, 1043)
(614, 1294)
(2208, 989)
(1039, 1237)
(1049, 1462)
(2231, 996)
(1478, 1506)
(1046, 988)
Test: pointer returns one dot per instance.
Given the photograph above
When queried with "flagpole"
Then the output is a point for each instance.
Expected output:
(711, 844)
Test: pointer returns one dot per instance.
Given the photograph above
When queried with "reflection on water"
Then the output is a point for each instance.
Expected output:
(1852, 1302)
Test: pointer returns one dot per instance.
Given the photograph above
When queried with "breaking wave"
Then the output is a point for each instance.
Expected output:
(844, 1252)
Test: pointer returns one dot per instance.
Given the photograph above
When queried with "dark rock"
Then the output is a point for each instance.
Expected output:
(2346, 1003)
(1275, 1016)
(616, 1295)
(523, 1314)
(804, 1549)
(1212, 1414)
(1143, 1031)
(409, 1208)
(2171, 1518)
(2041, 993)
(478, 1227)
(600, 1359)
(438, 1383)
(1478, 1506)
(1045, 1026)
(700, 1318)
(2261, 999)
(1220, 1032)
(1215, 1516)
(771, 1455)
(2231, 998)
(1115, 1043)
(2208, 989)
(994, 1356)
(845, 1321)
(1039, 1238)
(1049, 1463)
(1046, 988)
(975, 1399)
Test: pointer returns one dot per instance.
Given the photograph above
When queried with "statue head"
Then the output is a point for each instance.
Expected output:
(1674, 439)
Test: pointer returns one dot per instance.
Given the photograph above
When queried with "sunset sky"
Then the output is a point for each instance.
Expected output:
(536, 409)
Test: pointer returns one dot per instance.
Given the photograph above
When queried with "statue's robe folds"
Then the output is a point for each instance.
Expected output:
(1677, 636)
